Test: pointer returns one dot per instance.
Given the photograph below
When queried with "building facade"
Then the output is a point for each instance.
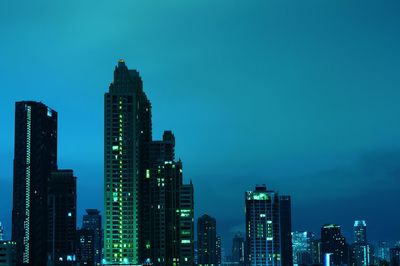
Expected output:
(35, 157)
(92, 221)
(334, 243)
(238, 249)
(61, 218)
(207, 241)
(8, 253)
(267, 227)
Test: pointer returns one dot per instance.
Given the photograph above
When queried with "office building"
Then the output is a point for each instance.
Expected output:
(61, 217)
(334, 243)
(127, 129)
(219, 250)
(148, 209)
(85, 247)
(395, 256)
(361, 252)
(238, 249)
(382, 253)
(8, 253)
(35, 157)
(302, 248)
(267, 227)
(207, 241)
(92, 221)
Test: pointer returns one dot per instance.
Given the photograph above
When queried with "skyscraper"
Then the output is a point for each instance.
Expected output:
(219, 250)
(148, 209)
(267, 224)
(333, 242)
(361, 251)
(207, 241)
(92, 221)
(61, 217)
(186, 225)
(285, 213)
(35, 157)
(238, 249)
(127, 130)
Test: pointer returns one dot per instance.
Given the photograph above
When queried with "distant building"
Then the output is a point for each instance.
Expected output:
(85, 250)
(92, 221)
(1, 232)
(395, 256)
(219, 250)
(268, 229)
(334, 243)
(8, 253)
(207, 241)
(361, 252)
(186, 225)
(382, 253)
(302, 248)
(238, 249)
(35, 157)
(61, 217)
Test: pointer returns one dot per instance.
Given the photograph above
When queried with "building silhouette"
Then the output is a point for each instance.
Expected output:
(146, 217)
(395, 255)
(35, 157)
(1, 232)
(268, 222)
(7, 253)
(207, 241)
(219, 250)
(333, 242)
(85, 250)
(61, 217)
(92, 221)
(238, 249)
(361, 252)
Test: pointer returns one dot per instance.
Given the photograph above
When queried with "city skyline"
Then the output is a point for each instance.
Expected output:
(284, 131)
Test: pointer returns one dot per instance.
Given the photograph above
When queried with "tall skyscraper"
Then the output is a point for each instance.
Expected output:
(207, 241)
(267, 224)
(333, 242)
(148, 209)
(92, 221)
(238, 249)
(360, 232)
(127, 129)
(61, 217)
(35, 157)
(361, 251)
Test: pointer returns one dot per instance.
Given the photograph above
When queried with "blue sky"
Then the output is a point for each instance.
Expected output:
(299, 95)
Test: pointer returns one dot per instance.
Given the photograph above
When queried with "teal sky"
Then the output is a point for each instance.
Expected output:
(300, 95)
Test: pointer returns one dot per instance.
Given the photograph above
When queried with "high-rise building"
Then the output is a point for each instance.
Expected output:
(360, 232)
(238, 248)
(1, 232)
(35, 157)
(127, 130)
(333, 242)
(361, 251)
(148, 209)
(219, 250)
(207, 241)
(61, 217)
(85, 250)
(285, 213)
(302, 248)
(266, 228)
(186, 225)
(7, 253)
(92, 221)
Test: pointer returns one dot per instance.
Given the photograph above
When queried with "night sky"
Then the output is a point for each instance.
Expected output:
(302, 96)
